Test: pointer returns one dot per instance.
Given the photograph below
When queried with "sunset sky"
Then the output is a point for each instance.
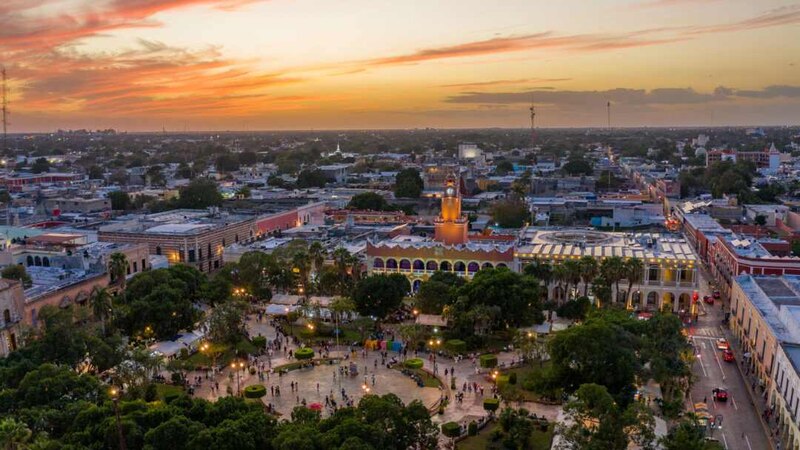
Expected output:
(142, 65)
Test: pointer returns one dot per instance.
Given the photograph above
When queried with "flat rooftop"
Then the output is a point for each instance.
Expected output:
(777, 299)
(577, 242)
(177, 222)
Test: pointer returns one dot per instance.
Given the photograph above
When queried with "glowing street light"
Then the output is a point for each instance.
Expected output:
(234, 366)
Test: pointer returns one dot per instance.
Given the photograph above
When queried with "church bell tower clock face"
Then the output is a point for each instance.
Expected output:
(450, 191)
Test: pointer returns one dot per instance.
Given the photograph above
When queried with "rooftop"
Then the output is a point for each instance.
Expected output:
(177, 222)
(777, 300)
(574, 243)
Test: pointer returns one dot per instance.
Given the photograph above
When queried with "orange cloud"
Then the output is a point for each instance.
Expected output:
(20, 31)
(504, 82)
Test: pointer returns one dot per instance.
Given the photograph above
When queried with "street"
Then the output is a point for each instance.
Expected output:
(741, 426)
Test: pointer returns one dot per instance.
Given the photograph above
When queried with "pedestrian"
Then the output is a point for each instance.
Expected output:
(317, 388)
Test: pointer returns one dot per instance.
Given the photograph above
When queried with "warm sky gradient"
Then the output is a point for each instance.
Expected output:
(322, 64)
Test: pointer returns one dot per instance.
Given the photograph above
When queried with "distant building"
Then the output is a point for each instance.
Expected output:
(197, 237)
(469, 151)
(769, 158)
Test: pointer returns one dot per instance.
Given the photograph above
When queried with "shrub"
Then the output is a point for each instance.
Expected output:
(488, 361)
(255, 391)
(177, 378)
(304, 353)
(170, 397)
(495, 435)
(456, 346)
(512, 379)
(491, 404)
(451, 429)
(252, 370)
(151, 393)
(472, 429)
(260, 342)
(501, 381)
(184, 353)
(414, 363)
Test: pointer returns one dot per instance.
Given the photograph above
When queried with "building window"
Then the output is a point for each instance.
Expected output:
(191, 256)
(158, 250)
(135, 267)
(144, 264)
(200, 254)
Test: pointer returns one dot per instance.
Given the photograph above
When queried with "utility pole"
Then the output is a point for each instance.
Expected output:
(4, 103)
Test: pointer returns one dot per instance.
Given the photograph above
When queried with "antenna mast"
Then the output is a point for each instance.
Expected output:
(4, 103)
(608, 114)
(533, 123)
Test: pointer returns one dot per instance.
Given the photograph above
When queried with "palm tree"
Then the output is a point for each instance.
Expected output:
(634, 269)
(316, 253)
(118, 269)
(412, 333)
(573, 273)
(301, 264)
(14, 434)
(589, 269)
(559, 275)
(612, 269)
(100, 300)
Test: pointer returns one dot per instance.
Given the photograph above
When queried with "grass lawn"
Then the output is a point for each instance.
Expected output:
(515, 392)
(428, 380)
(166, 389)
(325, 333)
(539, 440)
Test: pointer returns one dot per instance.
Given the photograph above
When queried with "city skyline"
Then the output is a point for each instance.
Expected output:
(252, 65)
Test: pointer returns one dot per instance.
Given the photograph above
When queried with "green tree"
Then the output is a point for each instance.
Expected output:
(408, 184)
(588, 271)
(688, 435)
(40, 165)
(100, 301)
(633, 271)
(155, 176)
(226, 322)
(96, 172)
(760, 220)
(311, 178)
(118, 269)
(17, 272)
(227, 162)
(503, 167)
(198, 194)
(515, 297)
(577, 166)
(378, 295)
(369, 201)
(511, 212)
(120, 201)
(14, 434)
(243, 192)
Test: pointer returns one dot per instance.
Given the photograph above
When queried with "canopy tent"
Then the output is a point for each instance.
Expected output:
(286, 299)
(280, 310)
(431, 320)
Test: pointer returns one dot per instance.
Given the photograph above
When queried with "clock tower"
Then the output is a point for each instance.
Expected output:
(451, 225)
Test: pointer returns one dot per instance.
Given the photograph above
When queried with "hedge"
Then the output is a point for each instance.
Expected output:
(456, 346)
(260, 342)
(451, 429)
(472, 429)
(488, 361)
(304, 353)
(501, 381)
(414, 363)
(491, 404)
(255, 391)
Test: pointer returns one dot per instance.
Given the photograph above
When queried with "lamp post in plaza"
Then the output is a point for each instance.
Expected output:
(115, 400)
(237, 366)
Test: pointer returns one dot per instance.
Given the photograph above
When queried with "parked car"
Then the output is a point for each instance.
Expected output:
(720, 395)
(722, 344)
(715, 294)
(727, 356)
(708, 299)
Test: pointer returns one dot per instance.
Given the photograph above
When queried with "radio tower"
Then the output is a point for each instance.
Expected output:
(4, 102)
(608, 114)
(533, 123)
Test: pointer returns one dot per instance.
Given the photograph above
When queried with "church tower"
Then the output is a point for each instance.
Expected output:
(451, 225)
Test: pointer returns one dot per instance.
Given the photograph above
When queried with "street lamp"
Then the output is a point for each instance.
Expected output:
(235, 366)
(115, 400)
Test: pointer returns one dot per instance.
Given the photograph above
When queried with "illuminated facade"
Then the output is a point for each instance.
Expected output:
(669, 279)
(451, 225)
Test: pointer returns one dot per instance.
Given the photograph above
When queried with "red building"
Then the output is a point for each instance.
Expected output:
(730, 257)
(16, 183)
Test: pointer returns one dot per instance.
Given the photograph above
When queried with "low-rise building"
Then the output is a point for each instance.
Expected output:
(12, 301)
